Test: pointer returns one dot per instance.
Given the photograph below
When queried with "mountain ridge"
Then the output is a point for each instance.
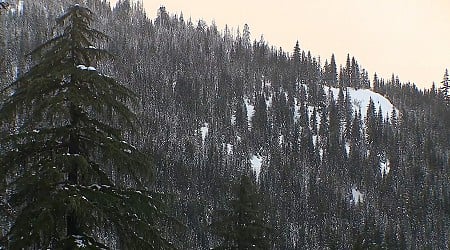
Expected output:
(213, 106)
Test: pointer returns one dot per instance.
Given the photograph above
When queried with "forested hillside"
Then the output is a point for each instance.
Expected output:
(318, 155)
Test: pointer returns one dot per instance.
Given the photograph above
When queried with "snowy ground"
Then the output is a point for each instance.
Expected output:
(250, 110)
(361, 97)
(256, 162)
(204, 130)
(384, 167)
(357, 196)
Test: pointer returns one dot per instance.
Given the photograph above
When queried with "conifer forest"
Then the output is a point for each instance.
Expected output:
(118, 131)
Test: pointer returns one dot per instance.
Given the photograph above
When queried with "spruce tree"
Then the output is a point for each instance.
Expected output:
(332, 72)
(445, 89)
(347, 73)
(296, 59)
(260, 128)
(243, 227)
(71, 179)
(355, 74)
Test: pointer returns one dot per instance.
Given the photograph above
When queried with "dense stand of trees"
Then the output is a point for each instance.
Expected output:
(211, 100)
(69, 179)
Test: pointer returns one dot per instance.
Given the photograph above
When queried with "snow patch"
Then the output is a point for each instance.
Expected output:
(174, 85)
(256, 162)
(361, 97)
(20, 7)
(311, 111)
(347, 148)
(16, 71)
(250, 110)
(385, 167)
(129, 145)
(229, 148)
(357, 196)
(296, 110)
(204, 130)
(69, 154)
(94, 186)
(233, 119)
(281, 139)
(84, 67)
(269, 101)
(79, 241)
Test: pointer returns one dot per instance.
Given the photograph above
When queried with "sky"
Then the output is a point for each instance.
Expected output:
(410, 38)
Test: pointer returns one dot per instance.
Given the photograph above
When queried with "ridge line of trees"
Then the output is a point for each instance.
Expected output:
(330, 177)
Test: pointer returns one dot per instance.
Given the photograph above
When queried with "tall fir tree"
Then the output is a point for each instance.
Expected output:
(297, 61)
(332, 71)
(71, 179)
(347, 73)
(376, 83)
(445, 88)
(355, 74)
(371, 124)
(243, 227)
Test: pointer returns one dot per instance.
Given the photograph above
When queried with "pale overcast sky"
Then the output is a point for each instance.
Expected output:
(410, 38)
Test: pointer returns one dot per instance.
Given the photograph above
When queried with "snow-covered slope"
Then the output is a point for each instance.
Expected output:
(361, 97)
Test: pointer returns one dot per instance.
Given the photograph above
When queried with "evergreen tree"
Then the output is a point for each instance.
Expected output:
(260, 126)
(71, 179)
(445, 89)
(347, 73)
(246, 36)
(355, 154)
(243, 227)
(355, 75)
(376, 83)
(332, 72)
(241, 119)
(371, 124)
(163, 17)
(297, 60)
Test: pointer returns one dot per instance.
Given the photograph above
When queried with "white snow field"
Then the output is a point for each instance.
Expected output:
(256, 162)
(361, 97)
